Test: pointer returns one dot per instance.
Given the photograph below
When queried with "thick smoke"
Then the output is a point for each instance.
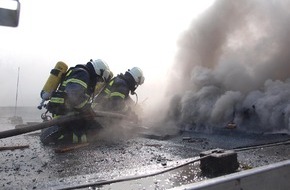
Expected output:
(233, 64)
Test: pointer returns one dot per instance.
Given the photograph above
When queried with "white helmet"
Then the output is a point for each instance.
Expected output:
(101, 68)
(137, 74)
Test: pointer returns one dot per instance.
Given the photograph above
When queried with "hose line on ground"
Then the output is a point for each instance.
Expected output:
(129, 178)
(285, 142)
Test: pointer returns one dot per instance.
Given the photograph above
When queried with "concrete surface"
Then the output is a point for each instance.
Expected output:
(121, 156)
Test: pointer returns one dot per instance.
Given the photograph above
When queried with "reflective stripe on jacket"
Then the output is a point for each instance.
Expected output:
(117, 91)
(76, 86)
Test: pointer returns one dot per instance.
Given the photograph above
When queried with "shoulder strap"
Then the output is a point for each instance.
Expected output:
(67, 73)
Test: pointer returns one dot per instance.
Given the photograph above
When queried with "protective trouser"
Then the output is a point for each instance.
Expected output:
(76, 131)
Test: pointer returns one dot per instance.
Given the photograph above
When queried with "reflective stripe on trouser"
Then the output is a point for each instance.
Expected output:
(82, 140)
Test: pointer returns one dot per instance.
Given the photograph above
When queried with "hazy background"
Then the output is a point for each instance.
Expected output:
(220, 61)
(124, 33)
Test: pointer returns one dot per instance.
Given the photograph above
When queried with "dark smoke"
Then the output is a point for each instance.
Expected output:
(233, 64)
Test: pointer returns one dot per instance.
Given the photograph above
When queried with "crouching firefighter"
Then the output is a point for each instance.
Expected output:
(73, 96)
(116, 95)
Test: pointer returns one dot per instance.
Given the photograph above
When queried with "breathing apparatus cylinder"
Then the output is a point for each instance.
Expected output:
(52, 82)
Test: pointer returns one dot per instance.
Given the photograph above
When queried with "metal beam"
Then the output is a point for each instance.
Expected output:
(274, 176)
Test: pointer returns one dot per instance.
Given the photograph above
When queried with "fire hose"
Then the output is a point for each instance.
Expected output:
(60, 120)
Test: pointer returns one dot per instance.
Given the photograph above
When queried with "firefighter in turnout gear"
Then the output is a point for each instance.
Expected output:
(74, 96)
(116, 95)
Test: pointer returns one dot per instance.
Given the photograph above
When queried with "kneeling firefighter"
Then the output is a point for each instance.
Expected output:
(73, 96)
(116, 95)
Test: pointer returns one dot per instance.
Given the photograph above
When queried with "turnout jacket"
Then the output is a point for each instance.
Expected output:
(115, 96)
(74, 92)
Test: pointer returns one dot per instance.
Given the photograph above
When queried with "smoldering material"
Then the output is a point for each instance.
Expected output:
(233, 64)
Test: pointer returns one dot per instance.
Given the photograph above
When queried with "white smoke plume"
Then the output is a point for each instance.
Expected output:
(233, 64)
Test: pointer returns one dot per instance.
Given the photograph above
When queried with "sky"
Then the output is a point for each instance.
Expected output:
(125, 34)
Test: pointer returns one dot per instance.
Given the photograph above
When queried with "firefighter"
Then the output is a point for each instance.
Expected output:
(74, 96)
(116, 95)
